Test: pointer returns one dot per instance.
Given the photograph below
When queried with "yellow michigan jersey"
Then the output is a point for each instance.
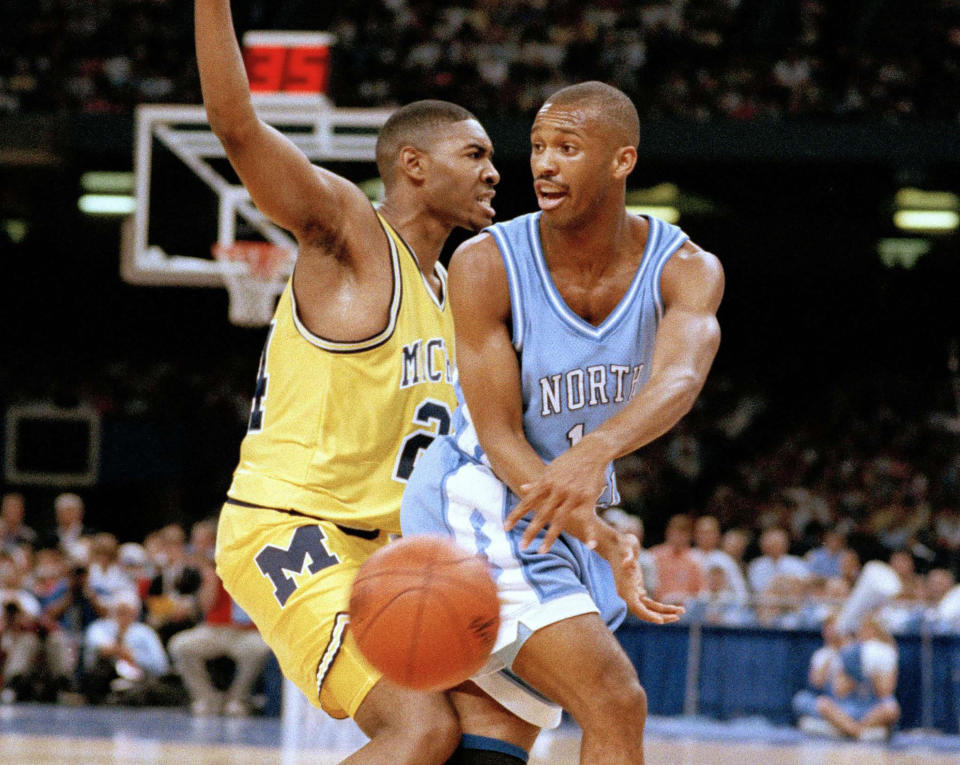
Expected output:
(335, 427)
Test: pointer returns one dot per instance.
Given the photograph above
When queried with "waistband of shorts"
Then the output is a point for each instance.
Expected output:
(362, 533)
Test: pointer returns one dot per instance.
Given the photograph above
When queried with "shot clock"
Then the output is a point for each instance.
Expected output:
(287, 67)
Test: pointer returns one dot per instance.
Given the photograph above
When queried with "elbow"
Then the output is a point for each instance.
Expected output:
(231, 126)
(684, 392)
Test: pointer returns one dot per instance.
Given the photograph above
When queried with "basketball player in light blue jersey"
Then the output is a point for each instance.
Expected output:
(583, 333)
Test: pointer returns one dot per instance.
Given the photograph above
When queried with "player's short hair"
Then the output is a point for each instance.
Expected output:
(612, 106)
(412, 125)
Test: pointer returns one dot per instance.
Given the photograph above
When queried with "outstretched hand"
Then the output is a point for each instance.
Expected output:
(623, 557)
(562, 498)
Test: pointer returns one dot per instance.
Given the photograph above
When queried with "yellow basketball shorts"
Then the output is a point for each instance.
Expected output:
(292, 575)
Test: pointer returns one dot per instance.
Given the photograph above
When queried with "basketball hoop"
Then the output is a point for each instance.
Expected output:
(253, 275)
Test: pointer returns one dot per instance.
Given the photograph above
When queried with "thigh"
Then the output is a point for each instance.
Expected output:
(292, 576)
(576, 662)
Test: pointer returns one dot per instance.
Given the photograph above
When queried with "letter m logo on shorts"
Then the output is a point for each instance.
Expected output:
(281, 565)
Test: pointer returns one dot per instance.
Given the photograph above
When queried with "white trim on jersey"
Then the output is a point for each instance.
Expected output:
(560, 306)
(516, 303)
(333, 648)
(370, 342)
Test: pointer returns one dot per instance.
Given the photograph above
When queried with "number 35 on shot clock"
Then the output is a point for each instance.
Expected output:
(287, 64)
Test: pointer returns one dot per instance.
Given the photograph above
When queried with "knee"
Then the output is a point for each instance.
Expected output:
(426, 738)
(624, 702)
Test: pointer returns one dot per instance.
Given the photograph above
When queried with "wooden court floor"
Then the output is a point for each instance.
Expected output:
(84, 736)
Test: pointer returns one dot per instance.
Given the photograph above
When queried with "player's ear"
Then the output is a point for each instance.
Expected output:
(413, 163)
(624, 160)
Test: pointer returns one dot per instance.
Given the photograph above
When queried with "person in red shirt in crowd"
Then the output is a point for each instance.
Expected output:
(225, 631)
(680, 576)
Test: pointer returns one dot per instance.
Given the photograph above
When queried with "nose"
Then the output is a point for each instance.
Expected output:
(490, 175)
(543, 164)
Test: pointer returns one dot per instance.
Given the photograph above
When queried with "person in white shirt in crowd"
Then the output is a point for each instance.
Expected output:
(707, 552)
(121, 653)
(734, 543)
(721, 604)
(904, 613)
(775, 562)
(106, 578)
(69, 533)
(861, 701)
(19, 640)
(826, 666)
(942, 614)
(631, 524)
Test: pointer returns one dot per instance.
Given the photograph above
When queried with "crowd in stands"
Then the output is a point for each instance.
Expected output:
(87, 619)
(771, 520)
(752, 512)
(686, 59)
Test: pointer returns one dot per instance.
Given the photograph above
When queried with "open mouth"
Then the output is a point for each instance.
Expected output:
(485, 202)
(550, 199)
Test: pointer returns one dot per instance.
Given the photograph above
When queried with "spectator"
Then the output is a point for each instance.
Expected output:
(19, 631)
(826, 666)
(774, 563)
(105, 578)
(679, 575)
(735, 543)
(826, 560)
(13, 531)
(69, 531)
(136, 566)
(172, 597)
(861, 702)
(850, 567)
(722, 605)
(943, 602)
(706, 537)
(904, 613)
(50, 585)
(225, 631)
(120, 653)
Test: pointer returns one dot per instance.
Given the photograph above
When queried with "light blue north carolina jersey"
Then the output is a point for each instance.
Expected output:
(574, 375)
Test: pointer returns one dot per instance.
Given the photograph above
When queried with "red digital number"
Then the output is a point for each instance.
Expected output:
(272, 69)
(265, 68)
(307, 70)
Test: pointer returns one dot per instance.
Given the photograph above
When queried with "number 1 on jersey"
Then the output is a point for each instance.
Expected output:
(575, 434)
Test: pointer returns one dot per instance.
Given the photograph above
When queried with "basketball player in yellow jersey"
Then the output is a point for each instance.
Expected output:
(354, 381)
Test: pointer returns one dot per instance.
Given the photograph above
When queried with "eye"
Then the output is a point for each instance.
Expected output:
(568, 148)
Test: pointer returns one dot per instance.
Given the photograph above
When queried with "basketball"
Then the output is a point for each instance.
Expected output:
(425, 612)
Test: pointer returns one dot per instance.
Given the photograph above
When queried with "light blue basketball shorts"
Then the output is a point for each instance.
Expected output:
(450, 493)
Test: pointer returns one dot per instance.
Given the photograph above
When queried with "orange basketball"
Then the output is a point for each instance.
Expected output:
(425, 612)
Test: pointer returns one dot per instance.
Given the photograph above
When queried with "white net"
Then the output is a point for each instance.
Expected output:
(252, 273)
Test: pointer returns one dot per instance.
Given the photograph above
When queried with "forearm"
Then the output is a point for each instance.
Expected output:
(512, 458)
(223, 79)
(658, 408)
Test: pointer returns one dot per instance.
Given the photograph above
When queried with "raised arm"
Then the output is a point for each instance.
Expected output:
(687, 341)
(490, 378)
(310, 202)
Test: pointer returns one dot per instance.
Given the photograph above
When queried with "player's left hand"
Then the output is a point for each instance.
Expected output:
(563, 497)
(623, 555)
